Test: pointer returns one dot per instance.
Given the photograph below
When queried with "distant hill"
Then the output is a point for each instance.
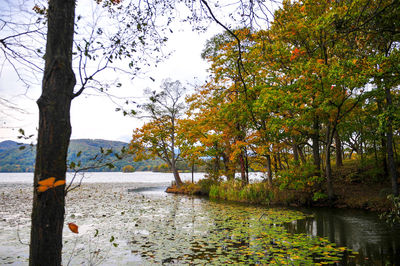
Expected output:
(15, 157)
(8, 144)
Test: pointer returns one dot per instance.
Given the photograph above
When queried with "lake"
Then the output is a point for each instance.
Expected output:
(127, 219)
(114, 177)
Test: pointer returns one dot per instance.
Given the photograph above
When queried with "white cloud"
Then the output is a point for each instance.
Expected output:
(95, 116)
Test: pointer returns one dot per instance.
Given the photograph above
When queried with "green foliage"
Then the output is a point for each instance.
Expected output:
(206, 185)
(393, 215)
(235, 191)
(300, 178)
(319, 196)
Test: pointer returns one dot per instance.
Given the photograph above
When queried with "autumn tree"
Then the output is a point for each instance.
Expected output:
(378, 22)
(54, 135)
(58, 90)
(159, 136)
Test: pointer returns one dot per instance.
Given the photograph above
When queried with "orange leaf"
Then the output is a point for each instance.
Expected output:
(42, 188)
(59, 183)
(47, 182)
(73, 227)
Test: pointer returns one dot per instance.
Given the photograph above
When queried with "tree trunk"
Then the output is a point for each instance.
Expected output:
(276, 166)
(193, 172)
(53, 136)
(389, 144)
(338, 144)
(315, 146)
(279, 161)
(382, 134)
(296, 154)
(177, 177)
(247, 166)
(242, 167)
(285, 159)
(328, 169)
(229, 170)
(302, 157)
(269, 168)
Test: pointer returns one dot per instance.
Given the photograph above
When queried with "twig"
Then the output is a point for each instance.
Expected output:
(19, 238)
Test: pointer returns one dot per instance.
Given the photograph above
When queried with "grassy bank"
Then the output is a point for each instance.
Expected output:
(356, 185)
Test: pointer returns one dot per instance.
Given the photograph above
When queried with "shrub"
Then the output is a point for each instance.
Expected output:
(205, 185)
(393, 215)
(302, 179)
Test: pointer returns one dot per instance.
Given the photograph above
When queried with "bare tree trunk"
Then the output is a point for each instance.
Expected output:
(382, 134)
(389, 143)
(315, 146)
(285, 159)
(247, 165)
(279, 161)
(54, 135)
(177, 177)
(276, 166)
(328, 169)
(269, 169)
(302, 157)
(338, 144)
(193, 172)
(376, 154)
(242, 168)
(296, 154)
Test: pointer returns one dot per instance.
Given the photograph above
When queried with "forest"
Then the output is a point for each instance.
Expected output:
(311, 101)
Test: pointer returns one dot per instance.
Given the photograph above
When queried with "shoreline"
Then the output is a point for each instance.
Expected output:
(348, 196)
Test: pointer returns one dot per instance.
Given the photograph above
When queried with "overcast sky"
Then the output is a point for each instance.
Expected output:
(94, 116)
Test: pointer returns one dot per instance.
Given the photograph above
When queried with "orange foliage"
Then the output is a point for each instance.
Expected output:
(296, 53)
(73, 227)
(47, 183)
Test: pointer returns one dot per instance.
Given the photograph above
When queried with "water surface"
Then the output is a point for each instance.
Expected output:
(127, 219)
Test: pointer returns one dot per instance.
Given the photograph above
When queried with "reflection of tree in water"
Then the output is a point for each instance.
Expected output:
(177, 229)
(362, 232)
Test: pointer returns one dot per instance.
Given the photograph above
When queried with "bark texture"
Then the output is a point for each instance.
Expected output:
(338, 150)
(389, 144)
(54, 135)
(315, 146)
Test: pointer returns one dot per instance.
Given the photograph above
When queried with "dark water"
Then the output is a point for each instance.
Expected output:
(363, 232)
(376, 242)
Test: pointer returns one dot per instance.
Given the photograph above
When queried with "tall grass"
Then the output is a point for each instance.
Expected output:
(259, 193)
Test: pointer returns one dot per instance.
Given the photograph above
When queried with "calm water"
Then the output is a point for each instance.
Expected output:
(105, 177)
(113, 177)
(363, 232)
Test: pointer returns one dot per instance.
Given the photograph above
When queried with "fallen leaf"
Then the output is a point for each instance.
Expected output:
(73, 227)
